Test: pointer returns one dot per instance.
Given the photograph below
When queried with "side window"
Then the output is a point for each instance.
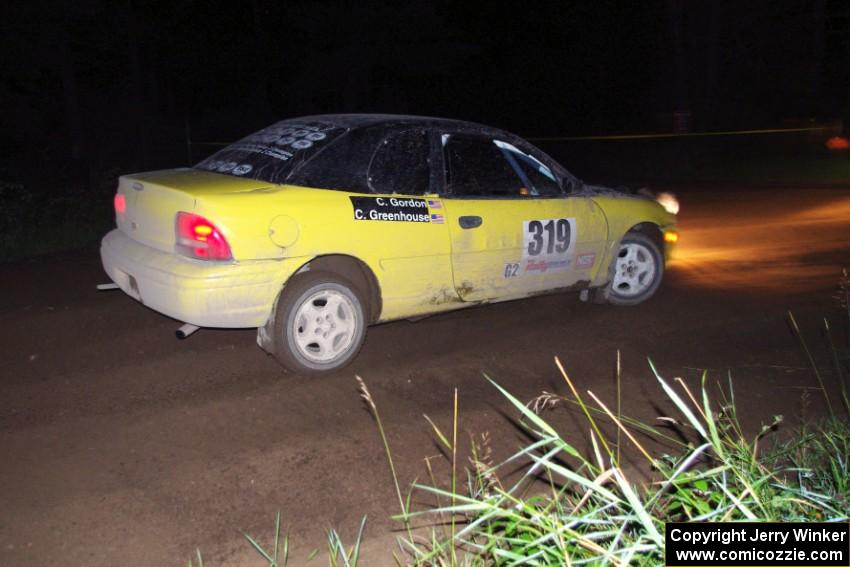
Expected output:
(401, 164)
(537, 177)
(476, 167)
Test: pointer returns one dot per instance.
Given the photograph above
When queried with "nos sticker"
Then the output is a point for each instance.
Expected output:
(393, 209)
(548, 245)
(585, 260)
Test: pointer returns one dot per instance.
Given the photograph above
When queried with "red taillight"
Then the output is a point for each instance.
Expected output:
(199, 238)
(120, 203)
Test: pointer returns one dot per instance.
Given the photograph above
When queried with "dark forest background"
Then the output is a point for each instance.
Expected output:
(100, 87)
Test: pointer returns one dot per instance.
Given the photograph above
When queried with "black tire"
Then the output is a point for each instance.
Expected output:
(305, 345)
(637, 270)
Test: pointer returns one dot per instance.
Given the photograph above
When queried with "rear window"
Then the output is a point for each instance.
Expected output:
(401, 164)
(273, 153)
(343, 166)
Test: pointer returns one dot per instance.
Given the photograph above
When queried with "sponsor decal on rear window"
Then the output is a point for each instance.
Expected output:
(272, 153)
(393, 209)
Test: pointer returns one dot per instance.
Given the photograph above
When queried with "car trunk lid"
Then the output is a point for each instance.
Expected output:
(153, 199)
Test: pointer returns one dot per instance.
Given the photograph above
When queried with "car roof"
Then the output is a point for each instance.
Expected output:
(390, 120)
(339, 153)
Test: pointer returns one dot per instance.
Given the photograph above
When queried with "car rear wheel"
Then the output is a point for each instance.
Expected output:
(319, 323)
(637, 271)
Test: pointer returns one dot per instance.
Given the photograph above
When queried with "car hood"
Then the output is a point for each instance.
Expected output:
(588, 190)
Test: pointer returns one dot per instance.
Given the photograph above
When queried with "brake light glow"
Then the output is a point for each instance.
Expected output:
(199, 238)
(671, 236)
(120, 203)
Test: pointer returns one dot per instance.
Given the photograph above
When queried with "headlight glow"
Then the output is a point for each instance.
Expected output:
(669, 202)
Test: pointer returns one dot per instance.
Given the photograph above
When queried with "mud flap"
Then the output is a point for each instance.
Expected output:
(599, 295)
(265, 334)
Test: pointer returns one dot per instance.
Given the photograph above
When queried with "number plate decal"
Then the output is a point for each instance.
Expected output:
(548, 245)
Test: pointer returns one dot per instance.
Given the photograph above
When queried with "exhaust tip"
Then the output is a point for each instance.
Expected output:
(186, 330)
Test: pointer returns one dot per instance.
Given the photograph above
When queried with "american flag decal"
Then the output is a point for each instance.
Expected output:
(437, 219)
(434, 204)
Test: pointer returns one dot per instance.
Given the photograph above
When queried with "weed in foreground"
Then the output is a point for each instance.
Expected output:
(278, 555)
(590, 511)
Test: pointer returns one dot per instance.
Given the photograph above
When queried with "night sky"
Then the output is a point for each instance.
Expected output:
(105, 87)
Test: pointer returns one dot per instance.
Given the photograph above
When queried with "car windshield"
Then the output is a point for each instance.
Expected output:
(273, 153)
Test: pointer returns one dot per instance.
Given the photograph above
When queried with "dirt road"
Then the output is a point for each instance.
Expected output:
(120, 445)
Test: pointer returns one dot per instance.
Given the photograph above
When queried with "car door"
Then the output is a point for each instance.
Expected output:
(514, 230)
(401, 226)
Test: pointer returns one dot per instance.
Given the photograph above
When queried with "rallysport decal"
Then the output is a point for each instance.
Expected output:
(395, 209)
(548, 244)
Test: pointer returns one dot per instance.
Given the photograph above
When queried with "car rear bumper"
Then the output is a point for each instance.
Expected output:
(206, 294)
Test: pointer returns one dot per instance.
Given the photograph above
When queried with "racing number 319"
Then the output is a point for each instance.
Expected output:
(554, 235)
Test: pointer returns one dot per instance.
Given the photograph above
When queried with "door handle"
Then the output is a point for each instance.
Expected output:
(470, 222)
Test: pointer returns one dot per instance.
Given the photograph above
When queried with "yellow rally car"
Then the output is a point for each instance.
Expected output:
(314, 228)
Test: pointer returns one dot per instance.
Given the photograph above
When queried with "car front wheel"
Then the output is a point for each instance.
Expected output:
(638, 270)
(319, 323)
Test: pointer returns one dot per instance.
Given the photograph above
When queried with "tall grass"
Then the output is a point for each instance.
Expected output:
(584, 507)
(278, 555)
(587, 509)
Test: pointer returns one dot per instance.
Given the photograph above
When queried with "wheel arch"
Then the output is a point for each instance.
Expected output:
(652, 230)
(600, 290)
(357, 272)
